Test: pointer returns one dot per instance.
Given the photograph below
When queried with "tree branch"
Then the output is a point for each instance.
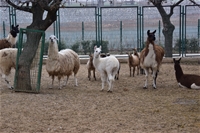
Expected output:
(23, 8)
(172, 7)
(195, 3)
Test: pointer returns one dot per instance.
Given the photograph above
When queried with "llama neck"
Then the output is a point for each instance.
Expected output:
(13, 33)
(149, 47)
(53, 51)
(178, 72)
(96, 61)
(11, 39)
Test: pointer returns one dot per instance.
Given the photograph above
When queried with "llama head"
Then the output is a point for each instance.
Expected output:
(14, 30)
(176, 62)
(151, 36)
(97, 51)
(53, 39)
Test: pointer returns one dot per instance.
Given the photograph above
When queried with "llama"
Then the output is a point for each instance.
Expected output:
(151, 57)
(11, 40)
(134, 61)
(185, 80)
(62, 63)
(7, 62)
(90, 67)
(107, 67)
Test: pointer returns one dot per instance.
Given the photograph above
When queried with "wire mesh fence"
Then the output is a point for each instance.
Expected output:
(122, 28)
(36, 65)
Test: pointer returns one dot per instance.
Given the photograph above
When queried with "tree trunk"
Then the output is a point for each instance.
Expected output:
(25, 61)
(30, 48)
(168, 33)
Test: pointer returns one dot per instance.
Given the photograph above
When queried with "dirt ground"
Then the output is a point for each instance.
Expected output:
(84, 109)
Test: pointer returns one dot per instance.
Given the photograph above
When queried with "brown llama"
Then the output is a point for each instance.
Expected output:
(185, 80)
(90, 67)
(151, 57)
(11, 40)
(134, 61)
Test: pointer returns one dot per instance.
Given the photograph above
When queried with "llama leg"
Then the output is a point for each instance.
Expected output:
(52, 82)
(146, 78)
(7, 82)
(130, 70)
(94, 75)
(154, 78)
(75, 80)
(66, 81)
(59, 83)
(133, 71)
(89, 74)
(110, 82)
(137, 70)
(103, 79)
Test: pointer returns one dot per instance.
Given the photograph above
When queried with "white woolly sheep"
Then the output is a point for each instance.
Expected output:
(134, 61)
(11, 40)
(62, 63)
(7, 62)
(107, 67)
(151, 57)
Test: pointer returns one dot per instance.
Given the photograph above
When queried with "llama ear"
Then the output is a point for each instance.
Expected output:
(12, 25)
(100, 46)
(179, 60)
(95, 47)
(148, 32)
(17, 26)
(56, 38)
(174, 60)
(154, 32)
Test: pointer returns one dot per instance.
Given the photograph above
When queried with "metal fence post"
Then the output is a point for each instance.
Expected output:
(57, 27)
(183, 39)
(82, 31)
(121, 37)
(4, 30)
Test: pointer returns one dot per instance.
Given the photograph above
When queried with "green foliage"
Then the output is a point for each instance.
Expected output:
(75, 47)
(178, 44)
(191, 45)
(104, 46)
(61, 46)
(86, 46)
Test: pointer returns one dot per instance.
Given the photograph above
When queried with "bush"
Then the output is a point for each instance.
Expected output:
(75, 47)
(104, 46)
(86, 46)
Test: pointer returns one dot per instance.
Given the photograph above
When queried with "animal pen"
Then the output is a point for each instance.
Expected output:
(36, 66)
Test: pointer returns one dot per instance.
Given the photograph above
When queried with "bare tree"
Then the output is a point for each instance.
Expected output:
(37, 9)
(168, 27)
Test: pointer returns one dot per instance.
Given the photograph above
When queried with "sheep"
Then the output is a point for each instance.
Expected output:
(11, 40)
(151, 57)
(7, 62)
(191, 81)
(62, 63)
(90, 67)
(134, 61)
(107, 67)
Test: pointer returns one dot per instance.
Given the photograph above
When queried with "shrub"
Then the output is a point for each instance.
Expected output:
(86, 46)
(75, 47)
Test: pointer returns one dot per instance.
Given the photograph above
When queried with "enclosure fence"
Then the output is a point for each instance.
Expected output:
(117, 29)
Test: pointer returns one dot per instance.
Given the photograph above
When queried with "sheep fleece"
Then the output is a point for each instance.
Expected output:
(67, 63)
(7, 59)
